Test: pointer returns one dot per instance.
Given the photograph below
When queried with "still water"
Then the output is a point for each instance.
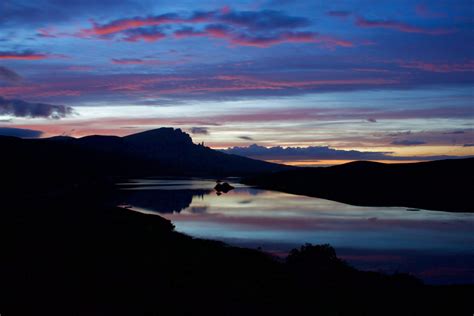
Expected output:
(436, 246)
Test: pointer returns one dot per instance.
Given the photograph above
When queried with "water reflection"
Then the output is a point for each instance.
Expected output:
(437, 246)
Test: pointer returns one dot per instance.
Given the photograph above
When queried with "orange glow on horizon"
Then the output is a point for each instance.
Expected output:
(321, 163)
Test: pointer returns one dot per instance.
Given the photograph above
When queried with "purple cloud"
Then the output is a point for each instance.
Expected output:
(246, 28)
(199, 130)
(399, 26)
(152, 34)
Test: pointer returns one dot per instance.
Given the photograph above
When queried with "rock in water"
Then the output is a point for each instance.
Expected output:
(223, 187)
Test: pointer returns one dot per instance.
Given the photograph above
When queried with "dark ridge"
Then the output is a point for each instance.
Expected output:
(166, 136)
(444, 185)
(71, 252)
(164, 151)
(60, 138)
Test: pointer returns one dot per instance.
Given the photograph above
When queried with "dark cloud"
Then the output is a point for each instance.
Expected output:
(246, 137)
(266, 19)
(139, 61)
(372, 120)
(316, 153)
(148, 34)
(407, 142)
(20, 132)
(199, 130)
(188, 31)
(304, 153)
(455, 132)
(198, 209)
(127, 61)
(259, 39)
(246, 28)
(20, 108)
(9, 75)
(399, 134)
(468, 145)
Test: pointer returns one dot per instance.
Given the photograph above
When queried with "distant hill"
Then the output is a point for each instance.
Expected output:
(445, 185)
(163, 151)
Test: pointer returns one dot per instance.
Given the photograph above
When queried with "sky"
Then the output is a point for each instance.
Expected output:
(299, 82)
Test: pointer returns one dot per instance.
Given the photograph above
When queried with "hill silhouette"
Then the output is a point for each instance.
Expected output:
(66, 246)
(163, 151)
(75, 253)
(445, 185)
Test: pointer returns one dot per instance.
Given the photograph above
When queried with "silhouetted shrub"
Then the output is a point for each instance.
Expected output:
(316, 256)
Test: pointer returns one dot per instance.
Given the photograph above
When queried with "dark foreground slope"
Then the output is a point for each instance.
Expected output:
(445, 185)
(70, 253)
(164, 151)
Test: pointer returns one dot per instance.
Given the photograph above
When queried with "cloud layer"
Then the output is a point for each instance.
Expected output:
(317, 153)
(20, 132)
(290, 73)
(22, 55)
(20, 108)
(262, 28)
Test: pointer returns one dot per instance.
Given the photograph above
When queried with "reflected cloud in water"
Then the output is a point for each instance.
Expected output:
(380, 238)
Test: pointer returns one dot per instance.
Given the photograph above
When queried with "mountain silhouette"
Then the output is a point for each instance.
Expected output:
(166, 136)
(163, 151)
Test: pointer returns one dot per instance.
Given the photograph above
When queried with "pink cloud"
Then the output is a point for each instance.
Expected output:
(26, 55)
(129, 23)
(225, 9)
(439, 67)
(223, 32)
(262, 23)
(399, 26)
(324, 114)
(159, 85)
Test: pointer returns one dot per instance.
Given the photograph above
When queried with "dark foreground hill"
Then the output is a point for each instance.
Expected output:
(163, 151)
(73, 254)
(445, 185)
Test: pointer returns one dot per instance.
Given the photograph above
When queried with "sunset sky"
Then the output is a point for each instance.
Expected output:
(338, 78)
